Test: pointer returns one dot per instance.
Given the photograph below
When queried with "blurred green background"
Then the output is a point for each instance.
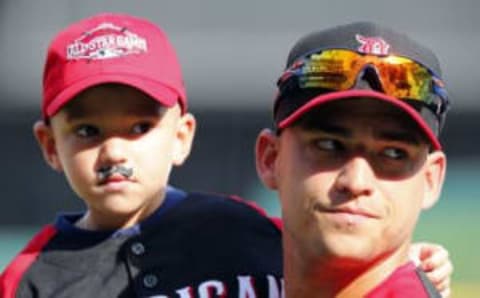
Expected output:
(454, 223)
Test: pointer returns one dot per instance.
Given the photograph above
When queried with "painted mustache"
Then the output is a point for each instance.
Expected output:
(105, 172)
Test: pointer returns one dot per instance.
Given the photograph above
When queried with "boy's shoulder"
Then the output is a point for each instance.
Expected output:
(211, 237)
(229, 220)
(203, 237)
(228, 208)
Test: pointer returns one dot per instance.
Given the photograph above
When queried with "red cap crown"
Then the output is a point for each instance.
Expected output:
(111, 48)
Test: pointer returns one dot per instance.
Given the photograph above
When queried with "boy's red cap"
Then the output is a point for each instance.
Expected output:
(111, 48)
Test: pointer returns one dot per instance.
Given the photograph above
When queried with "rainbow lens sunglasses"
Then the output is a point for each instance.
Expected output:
(339, 69)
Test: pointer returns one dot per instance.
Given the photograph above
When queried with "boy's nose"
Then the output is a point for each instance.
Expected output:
(113, 151)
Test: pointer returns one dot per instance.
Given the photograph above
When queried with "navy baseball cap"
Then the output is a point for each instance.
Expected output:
(327, 65)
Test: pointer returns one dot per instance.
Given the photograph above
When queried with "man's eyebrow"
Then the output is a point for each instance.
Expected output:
(398, 136)
(325, 127)
(392, 135)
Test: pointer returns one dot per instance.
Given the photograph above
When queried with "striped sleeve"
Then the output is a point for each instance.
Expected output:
(12, 275)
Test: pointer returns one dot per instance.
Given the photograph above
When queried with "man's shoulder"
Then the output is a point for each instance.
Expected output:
(406, 281)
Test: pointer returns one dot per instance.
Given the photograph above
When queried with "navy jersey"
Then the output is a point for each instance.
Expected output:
(201, 246)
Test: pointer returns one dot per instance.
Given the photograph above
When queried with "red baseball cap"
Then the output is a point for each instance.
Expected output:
(111, 48)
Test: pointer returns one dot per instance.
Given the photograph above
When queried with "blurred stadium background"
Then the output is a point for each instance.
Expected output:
(232, 52)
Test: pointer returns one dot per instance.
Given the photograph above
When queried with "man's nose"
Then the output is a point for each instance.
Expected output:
(356, 177)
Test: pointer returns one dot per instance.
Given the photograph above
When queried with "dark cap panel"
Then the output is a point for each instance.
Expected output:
(345, 37)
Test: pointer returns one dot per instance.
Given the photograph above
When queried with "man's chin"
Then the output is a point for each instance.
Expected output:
(347, 251)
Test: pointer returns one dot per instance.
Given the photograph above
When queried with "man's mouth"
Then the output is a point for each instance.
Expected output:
(352, 210)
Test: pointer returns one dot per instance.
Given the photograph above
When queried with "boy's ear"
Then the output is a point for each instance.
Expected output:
(44, 135)
(184, 138)
(266, 153)
(434, 175)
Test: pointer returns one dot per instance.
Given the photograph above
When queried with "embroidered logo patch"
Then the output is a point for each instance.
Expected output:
(106, 41)
(372, 45)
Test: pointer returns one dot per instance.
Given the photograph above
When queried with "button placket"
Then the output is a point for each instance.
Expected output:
(137, 248)
(150, 281)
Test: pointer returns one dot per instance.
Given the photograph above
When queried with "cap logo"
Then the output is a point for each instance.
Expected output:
(104, 42)
(372, 45)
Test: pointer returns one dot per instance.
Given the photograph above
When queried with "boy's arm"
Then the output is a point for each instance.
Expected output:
(434, 260)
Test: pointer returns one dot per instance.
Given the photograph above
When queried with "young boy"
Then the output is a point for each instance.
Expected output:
(355, 159)
(115, 122)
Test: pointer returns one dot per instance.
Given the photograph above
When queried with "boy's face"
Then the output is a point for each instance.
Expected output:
(111, 125)
(352, 177)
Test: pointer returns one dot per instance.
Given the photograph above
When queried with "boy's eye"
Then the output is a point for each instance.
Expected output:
(87, 131)
(141, 128)
(395, 153)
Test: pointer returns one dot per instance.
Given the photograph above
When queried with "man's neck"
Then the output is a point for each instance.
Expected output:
(308, 277)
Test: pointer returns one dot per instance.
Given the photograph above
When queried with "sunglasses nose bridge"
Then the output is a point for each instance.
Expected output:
(368, 78)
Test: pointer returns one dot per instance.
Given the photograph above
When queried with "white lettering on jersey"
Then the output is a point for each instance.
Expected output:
(245, 287)
(273, 288)
(186, 292)
(207, 287)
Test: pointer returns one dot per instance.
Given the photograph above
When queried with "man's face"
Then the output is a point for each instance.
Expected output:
(352, 178)
(112, 125)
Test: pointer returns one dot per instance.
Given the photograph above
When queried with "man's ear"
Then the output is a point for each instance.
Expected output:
(44, 135)
(184, 138)
(434, 175)
(266, 152)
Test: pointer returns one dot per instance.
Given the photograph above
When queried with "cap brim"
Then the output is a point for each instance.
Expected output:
(333, 96)
(159, 92)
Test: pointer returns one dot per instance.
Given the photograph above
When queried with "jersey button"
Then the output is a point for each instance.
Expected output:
(138, 248)
(150, 281)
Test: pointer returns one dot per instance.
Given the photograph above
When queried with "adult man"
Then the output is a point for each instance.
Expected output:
(355, 159)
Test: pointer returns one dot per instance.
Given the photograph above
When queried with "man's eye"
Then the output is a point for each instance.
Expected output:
(328, 144)
(141, 128)
(395, 153)
(87, 131)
